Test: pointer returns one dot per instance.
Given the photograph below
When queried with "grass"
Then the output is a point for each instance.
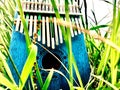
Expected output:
(104, 52)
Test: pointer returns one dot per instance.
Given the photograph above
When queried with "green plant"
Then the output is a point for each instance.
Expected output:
(104, 53)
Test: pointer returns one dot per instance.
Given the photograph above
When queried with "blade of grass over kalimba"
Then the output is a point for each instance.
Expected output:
(39, 77)
(48, 80)
(68, 42)
(6, 67)
(32, 51)
(71, 58)
(58, 17)
(4, 81)
(39, 27)
(28, 41)
(28, 65)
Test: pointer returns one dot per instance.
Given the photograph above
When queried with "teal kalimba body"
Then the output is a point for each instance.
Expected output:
(42, 21)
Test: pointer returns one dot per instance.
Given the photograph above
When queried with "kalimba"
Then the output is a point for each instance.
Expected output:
(42, 21)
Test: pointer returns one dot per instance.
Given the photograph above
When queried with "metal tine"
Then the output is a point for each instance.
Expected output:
(21, 28)
(39, 30)
(70, 6)
(71, 29)
(23, 5)
(27, 5)
(52, 32)
(18, 23)
(35, 5)
(60, 34)
(35, 24)
(47, 2)
(43, 30)
(59, 5)
(56, 31)
(31, 24)
(51, 8)
(78, 2)
(48, 31)
(77, 5)
(73, 6)
(39, 7)
(80, 23)
(62, 6)
(77, 23)
(43, 5)
(75, 31)
(32, 5)
(53, 43)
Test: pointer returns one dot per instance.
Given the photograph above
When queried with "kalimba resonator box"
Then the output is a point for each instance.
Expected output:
(42, 22)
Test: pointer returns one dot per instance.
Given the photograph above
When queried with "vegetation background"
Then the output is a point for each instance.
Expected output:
(103, 50)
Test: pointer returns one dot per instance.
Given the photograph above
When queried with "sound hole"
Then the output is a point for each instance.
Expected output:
(49, 61)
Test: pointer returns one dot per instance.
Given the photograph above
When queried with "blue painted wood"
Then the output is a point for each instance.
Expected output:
(19, 54)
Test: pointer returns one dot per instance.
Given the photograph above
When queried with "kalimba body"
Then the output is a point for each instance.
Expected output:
(42, 20)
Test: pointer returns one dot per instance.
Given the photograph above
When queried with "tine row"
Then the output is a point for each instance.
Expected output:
(45, 6)
(47, 29)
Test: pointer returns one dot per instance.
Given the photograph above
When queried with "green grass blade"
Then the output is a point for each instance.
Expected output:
(77, 73)
(5, 82)
(48, 80)
(69, 82)
(5, 64)
(98, 27)
(25, 26)
(28, 65)
(31, 81)
(108, 83)
(68, 41)
(39, 77)
(107, 1)
(58, 17)
(59, 72)
(7, 69)
(103, 61)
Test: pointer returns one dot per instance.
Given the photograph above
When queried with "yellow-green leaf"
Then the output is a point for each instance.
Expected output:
(28, 65)
(47, 81)
(5, 82)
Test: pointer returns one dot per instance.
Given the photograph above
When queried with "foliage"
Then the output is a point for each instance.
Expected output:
(104, 52)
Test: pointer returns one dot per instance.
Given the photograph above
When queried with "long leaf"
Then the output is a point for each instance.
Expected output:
(28, 65)
(48, 80)
(98, 27)
(28, 41)
(68, 41)
(5, 82)
(5, 64)
(7, 69)
(39, 77)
